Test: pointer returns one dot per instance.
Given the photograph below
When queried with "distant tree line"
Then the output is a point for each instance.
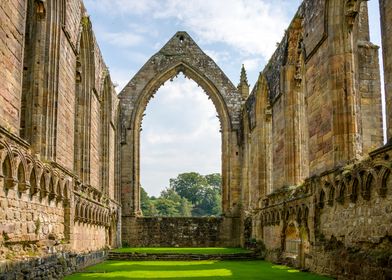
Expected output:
(189, 195)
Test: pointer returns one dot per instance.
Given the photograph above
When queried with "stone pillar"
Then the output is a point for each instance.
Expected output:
(386, 32)
(292, 83)
(342, 81)
(368, 85)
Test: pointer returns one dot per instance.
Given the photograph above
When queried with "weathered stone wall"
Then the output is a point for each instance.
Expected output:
(295, 151)
(315, 196)
(88, 237)
(324, 92)
(12, 25)
(58, 135)
(34, 202)
(181, 232)
(54, 267)
(342, 219)
(386, 31)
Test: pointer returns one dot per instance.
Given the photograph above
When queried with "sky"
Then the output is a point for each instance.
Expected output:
(180, 129)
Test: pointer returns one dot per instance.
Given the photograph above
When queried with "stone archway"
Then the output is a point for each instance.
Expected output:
(180, 55)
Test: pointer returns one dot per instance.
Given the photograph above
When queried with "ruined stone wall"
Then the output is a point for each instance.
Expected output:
(314, 195)
(11, 60)
(34, 203)
(318, 97)
(55, 266)
(54, 71)
(386, 31)
(324, 94)
(66, 86)
(181, 232)
(343, 220)
(88, 237)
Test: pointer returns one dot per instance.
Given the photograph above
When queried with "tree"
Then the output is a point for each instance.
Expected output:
(214, 180)
(171, 194)
(152, 210)
(145, 202)
(185, 209)
(210, 203)
(166, 207)
(182, 205)
(190, 194)
(189, 185)
(204, 192)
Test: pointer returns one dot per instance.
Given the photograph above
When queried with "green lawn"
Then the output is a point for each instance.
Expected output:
(162, 250)
(192, 270)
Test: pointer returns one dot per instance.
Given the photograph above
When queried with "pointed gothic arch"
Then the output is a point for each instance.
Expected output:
(180, 55)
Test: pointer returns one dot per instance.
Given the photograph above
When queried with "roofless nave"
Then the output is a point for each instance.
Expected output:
(303, 160)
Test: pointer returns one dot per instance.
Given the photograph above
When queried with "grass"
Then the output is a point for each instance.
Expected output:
(192, 270)
(162, 250)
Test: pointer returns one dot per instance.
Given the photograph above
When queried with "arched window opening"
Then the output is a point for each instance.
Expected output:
(31, 61)
(22, 185)
(7, 173)
(180, 152)
(354, 191)
(85, 79)
(342, 193)
(321, 199)
(367, 186)
(33, 184)
(106, 134)
(43, 189)
(331, 196)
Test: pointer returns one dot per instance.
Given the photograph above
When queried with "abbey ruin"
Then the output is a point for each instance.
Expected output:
(304, 168)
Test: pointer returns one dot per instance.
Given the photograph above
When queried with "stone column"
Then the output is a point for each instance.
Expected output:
(369, 86)
(386, 32)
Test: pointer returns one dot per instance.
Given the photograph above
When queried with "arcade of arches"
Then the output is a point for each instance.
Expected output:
(304, 168)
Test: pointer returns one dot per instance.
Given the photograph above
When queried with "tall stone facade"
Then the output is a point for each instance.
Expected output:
(58, 131)
(386, 30)
(316, 190)
(304, 168)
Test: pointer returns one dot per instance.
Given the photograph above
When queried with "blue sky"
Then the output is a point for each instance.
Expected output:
(180, 129)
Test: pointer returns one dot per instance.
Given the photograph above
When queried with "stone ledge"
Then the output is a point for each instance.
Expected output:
(180, 257)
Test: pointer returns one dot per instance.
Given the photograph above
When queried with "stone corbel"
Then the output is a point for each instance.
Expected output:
(10, 183)
(23, 187)
(52, 196)
(40, 9)
(268, 113)
(351, 12)
(366, 194)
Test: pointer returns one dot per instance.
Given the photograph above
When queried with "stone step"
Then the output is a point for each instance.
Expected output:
(180, 257)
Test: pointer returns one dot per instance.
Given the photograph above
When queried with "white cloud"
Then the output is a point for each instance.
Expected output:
(180, 134)
(122, 39)
(252, 64)
(123, 7)
(121, 77)
(252, 27)
(218, 56)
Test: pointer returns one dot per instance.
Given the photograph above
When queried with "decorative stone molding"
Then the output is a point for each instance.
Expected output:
(351, 12)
